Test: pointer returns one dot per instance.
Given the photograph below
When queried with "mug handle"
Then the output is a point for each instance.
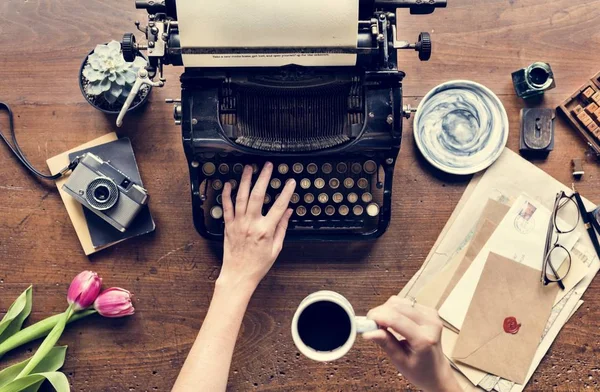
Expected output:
(364, 324)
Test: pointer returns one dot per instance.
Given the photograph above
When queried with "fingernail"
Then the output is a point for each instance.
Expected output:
(268, 164)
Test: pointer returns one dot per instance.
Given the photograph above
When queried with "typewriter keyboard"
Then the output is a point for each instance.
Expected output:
(330, 195)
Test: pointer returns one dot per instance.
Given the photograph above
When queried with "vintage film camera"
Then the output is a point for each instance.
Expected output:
(106, 191)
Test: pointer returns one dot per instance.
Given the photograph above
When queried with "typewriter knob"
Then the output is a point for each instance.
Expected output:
(423, 46)
(128, 47)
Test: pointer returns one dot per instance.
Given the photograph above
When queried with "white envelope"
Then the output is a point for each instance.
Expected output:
(521, 237)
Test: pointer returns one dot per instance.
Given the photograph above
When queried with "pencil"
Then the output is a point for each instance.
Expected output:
(585, 215)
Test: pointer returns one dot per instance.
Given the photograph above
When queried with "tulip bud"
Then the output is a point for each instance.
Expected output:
(114, 302)
(84, 290)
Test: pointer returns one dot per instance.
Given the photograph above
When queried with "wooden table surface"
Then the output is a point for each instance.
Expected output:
(172, 271)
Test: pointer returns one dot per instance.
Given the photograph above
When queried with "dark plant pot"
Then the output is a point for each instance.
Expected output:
(137, 104)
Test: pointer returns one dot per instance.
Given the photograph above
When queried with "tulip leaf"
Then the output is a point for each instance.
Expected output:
(51, 363)
(16, 315)
(57, 379)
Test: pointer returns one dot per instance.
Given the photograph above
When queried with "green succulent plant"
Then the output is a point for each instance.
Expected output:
(109, 74)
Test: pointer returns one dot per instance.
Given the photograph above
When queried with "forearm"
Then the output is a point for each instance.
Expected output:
(207, 365)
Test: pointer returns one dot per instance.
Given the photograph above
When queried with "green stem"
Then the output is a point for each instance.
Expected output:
(38, 330)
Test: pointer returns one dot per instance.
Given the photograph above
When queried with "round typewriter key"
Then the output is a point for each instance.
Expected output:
(352, 197)
(366, 197)
(305, 183)
(208, 169)
(219, 199)
(233, 183)
(217, 185)
(342, 167)
(348, 182)
(373, 209)
(362, 183)
(295, 198)
(238, 168)
(356, 168)
(309, 198)
(357, 210)
(337, 197)
(329, 210)
(216, 212)
(370, 167)
(267, 199)
(301, 211)
(327, 168)
(254, 168)
(195, 163)
(223, 168)
(315, 210)
(297, 168)
(283, 168)
(344, 210)
(312, 168)
(323, 198)
(275, 183)
(319, 183)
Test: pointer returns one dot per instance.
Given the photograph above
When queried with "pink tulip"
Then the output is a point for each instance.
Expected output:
(114, 302)
(84, 290)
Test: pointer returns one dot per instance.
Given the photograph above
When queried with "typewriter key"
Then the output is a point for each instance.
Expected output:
(334, 183)
(238, 168)
(217, 185)
(267, 199)
(305, 183)
(275, 183)
(312, 168)
(283, 168)
(373, 209)
(370, 167)
(348, 182)
(356, 168)
(301, 211)
(309, 198)
(352, 197)
(342, 167)
(315, 210)
(223, 168)
(366, 197)
(295, 198)
(319, 183)
(216, 212)
(329, 210)
(344, 210)
(233, 183)
(357, 210)
(337, 197)
(297, 168)
(323, 198)
(362, 183)
(254, 168)
(327, 168)
(208, 169)
(219, 199)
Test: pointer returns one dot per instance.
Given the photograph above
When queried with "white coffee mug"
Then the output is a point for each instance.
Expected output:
(357, 324)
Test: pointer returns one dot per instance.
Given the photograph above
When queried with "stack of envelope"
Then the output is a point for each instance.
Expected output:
(483, 275)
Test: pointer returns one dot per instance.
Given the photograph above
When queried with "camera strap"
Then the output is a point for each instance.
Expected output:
(19, 153)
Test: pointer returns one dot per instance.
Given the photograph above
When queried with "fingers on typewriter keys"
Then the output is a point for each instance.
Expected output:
(297, 168)
(301, 211)
(257, 196)
(323, 198)
(373, 209)
(305, 183)
(341, 168)
(362, 183)
(309, 198)
(227, 204)
(356, 168)
(327, 168)
(370, 167)
(216, 212)
(312, 168)
(366, 197)
(208, 169)
(319, 183)
(217, 184)
(315, 210)
(223, 168)
(357, 210)
(241, 201)
(348, 182)
(238, 168)
(334, 183)
(283, 168)
(352, 197)
(329, 210)
(337, 197)
(278, 210)
(343, 210)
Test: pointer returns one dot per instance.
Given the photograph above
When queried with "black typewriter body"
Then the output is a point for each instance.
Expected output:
(336, 130)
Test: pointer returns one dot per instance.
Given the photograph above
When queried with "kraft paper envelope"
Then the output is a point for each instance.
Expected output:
(505, 289)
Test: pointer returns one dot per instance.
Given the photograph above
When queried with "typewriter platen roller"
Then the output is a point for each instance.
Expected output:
(328, 114)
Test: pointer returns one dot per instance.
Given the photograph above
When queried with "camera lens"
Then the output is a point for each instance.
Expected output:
(102, 193)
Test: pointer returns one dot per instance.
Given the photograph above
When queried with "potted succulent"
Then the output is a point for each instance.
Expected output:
(106, 79)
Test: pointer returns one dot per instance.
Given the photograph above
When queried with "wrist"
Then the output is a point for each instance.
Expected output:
(447, 381)
(241, 289)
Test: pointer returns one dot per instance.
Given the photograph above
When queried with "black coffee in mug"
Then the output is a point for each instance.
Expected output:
(324, 326)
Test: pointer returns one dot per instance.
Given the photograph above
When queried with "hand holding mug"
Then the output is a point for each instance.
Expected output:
(418, 354)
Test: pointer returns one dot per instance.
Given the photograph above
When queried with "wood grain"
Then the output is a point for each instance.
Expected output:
(172, 271)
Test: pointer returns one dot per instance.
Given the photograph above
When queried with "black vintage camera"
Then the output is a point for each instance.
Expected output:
(106, 191)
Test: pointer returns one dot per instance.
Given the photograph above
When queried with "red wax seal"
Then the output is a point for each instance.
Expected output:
(511, 325)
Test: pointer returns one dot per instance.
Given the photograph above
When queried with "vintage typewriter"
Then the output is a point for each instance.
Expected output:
(329, 116)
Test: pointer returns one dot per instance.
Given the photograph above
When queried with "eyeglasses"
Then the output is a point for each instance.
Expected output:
(557, 259)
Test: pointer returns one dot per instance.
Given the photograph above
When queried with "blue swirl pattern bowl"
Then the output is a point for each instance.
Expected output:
(461, 127)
